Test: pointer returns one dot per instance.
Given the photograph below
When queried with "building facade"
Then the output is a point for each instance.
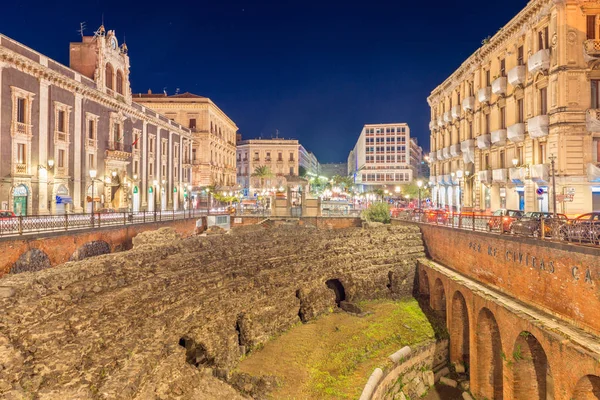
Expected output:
(416, 157)
(332, 169)
(382, 156)
(214, 133)
(308, 161)
(281, 156)
(528, 98)
(57, 124)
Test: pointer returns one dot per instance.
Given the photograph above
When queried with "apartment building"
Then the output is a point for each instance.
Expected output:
(308, 161)
(527, 98)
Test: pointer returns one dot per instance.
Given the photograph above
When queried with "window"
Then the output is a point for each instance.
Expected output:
(176, 152)
(117, 131)
(151, 145)
(596, 151)
(487, 78)
(61, 158)
(520, 111)
(502, 117)
(543, 38)
(280, 156)
(151, 169)
(291, 170)
(595, 93)
(503, 67)
(136, 168)
(192, 124)
(119, 82)
(542, 153)
(164, 149)
(291, 156)
(21, 114)
(487, 123)
(21, 154)
(60, 124)
(91, 129)
(470, 130)
(519, 155)
(256, 157)
(109, 76)
(164, 171)
(91, 163)
(486, 161)
(268, 157)
(502, 159)
(591, 27)
(520, 53)
(543, 101)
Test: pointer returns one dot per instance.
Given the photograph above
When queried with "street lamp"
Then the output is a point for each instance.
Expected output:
(155, 183)
(419, 184)
(515, 161)
(189, 199)
(93, 173)
(161, 198)
(51, 163)
(552, 160)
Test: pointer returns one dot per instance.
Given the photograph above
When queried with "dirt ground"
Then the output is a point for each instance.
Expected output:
(333, 356)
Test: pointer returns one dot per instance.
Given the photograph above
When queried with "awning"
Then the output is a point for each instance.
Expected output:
(63, 199)
(593, 173)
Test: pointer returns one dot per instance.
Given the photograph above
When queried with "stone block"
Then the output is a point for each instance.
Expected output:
(403, 353)
(442, 372)
(400, 396)
(429, 378)
(459, 368)
(421, 389)
(467, 396)
(448, 382)
(464, 386)
(350, 307)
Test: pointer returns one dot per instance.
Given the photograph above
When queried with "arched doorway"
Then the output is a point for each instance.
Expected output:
(531, 372)
(163, 199)
(459, 330)
(438, 299)
(136, 199)
(338, 289)
(62, 199)
(20, 198)
(489, 357)
(151, 200)
(588, 388)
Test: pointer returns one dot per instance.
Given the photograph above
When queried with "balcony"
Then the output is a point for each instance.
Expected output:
(440, 180)
(517, 175)
(499, 86)
(484, 141)
(447, 117)
(91, 143)
(592, 120)
(20, 168)
(539, 173)
(117, 150)
(440, 155)
(455, 150)
(455, 112)
(538, 126)
(484, 94)
(453, 180)
(469, 103)
(446, 180)
(499, 175)
(516, 132)
(593, 173)
(539, 62)
(467, 147)
(499, 137)
(432, 180)
(60, 136)
(516, 75)
(20, 128)
(591, 49)
(485, 176)
(446, 153)
(432, 156)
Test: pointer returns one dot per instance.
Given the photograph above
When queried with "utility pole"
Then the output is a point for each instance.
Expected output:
(552, 160)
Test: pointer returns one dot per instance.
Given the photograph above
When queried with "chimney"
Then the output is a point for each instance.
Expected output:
(149, 91)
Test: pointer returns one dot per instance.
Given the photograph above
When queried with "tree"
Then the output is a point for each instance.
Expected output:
(412, 189)
(345, 182)
(262, 172)
(302, 171)
(378, 212)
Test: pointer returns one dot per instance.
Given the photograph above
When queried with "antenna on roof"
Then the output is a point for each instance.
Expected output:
(177, 91)
(81, 28)
(165, 90)
(277, 133)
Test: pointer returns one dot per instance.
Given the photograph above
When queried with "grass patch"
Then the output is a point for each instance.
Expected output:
(332, 357)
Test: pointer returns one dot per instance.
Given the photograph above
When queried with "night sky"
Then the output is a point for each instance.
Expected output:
(315, 70)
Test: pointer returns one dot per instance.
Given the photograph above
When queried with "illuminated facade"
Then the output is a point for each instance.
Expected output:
(57, 124)
(529, 95)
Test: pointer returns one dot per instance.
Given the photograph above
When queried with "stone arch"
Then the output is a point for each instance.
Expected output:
(588, 388)
(336, 286)
(30, 261)
(195, 353)
(109, 73)
(423, 283)
(459, 330)
(489, 357)
(438, 298)
(91, 249)
(532, 379)
(21, 189)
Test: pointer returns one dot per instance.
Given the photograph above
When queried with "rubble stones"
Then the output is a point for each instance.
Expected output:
(111, 326)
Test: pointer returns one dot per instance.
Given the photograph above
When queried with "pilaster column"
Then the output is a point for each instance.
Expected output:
(77, 151)
(145, 150)
(42, 203)
(170, 183)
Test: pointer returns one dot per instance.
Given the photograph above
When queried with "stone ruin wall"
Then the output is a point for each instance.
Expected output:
(123, 325)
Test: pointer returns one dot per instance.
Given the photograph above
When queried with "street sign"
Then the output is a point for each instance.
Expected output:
(564, 197)
(539, 191)
(570, 190)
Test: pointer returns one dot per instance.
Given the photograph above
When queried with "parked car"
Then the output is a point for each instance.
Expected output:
(531, 224)
(502, 219)
(435, 216)
(585, 228)
(8, 220)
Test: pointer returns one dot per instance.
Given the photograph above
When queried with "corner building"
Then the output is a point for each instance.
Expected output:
(529, 95)
(58, 123)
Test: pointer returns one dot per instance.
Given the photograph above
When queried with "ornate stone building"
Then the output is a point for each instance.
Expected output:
(57, 124)
(213, 150)
(529, 95)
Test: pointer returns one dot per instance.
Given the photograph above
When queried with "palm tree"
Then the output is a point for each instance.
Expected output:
(262, 172)
(345, 182)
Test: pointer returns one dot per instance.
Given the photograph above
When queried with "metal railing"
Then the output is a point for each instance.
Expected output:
(559, 229)
(31, 224)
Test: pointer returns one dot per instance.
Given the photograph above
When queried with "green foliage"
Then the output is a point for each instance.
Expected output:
(302, 171)
(378, 212)
(262, 171)
(517, 355)
(345, 182)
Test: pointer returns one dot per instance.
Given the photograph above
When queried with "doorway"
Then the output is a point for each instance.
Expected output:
(136, 199)
(20, 195)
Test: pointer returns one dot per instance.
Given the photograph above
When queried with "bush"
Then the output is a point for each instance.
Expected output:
(378, 212)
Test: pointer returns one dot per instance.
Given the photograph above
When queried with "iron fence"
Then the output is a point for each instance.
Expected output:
(21, 225)
(580, 231)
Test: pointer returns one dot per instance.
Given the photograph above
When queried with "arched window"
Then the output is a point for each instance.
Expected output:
(109, 76)
(119, 82)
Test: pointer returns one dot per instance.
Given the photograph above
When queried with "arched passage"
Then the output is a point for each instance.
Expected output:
(531, 372)
(489, 357)
(438, 299)
(338, 289)
(195, 353)
(423, 283)
(459, 330)
(588, 388)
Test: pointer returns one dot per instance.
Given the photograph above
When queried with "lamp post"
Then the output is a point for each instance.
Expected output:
(155, 184)
(419, 184)
(93, 173)
(552, 160)
(161, 199)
